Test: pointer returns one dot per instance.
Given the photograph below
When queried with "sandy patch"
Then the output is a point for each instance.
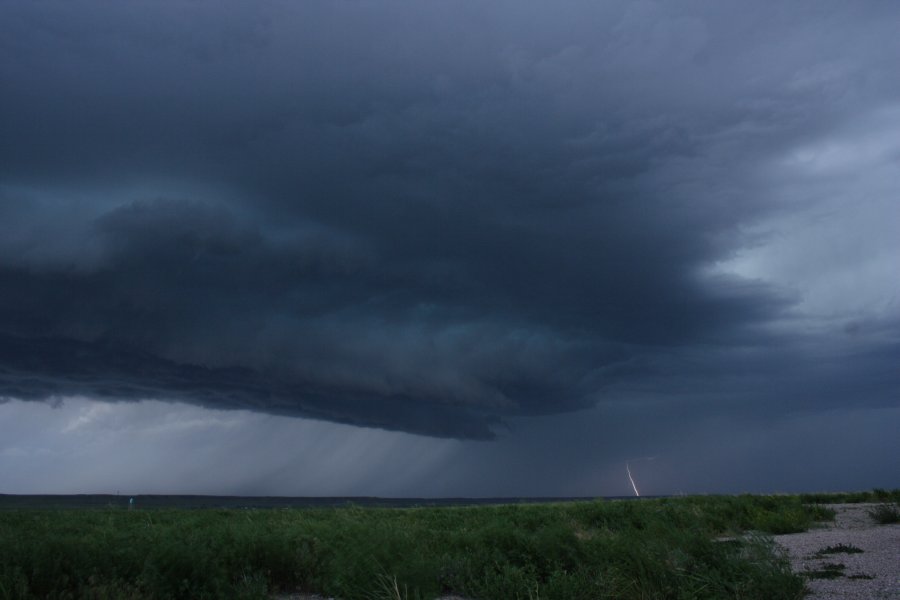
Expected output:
(871, 574)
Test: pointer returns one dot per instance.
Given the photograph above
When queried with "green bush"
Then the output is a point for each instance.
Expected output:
(885, 514)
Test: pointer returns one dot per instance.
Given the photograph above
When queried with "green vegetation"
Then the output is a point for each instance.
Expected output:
(885, 514)
(876, 495)
(838, 549)
(827, 571)
(693, 547)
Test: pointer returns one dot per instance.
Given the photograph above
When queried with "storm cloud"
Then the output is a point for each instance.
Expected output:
(439, 218)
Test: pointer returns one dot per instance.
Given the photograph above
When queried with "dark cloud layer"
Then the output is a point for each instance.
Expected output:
(426, 217)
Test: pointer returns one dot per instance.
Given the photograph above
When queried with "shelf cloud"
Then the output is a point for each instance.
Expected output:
(435, 218)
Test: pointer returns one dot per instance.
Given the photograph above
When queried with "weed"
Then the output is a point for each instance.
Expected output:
(885, 514)
(827, 571)
(838, 549)
(387, 588)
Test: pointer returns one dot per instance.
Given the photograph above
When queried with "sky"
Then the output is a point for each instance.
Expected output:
(464, 248)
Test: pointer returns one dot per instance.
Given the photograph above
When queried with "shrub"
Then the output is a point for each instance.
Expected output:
(885, 514)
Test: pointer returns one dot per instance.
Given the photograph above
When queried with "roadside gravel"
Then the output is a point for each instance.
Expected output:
(871, 574)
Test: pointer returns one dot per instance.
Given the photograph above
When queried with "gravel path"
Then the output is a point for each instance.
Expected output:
(871, 574)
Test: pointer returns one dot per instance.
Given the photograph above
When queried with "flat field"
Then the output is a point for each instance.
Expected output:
(688, 547)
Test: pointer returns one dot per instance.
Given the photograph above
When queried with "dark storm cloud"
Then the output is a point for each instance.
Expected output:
(427, 217)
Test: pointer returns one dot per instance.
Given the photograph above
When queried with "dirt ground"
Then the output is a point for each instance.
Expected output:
(871, 574)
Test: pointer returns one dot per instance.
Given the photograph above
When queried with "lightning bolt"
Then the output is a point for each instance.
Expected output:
(631, 479)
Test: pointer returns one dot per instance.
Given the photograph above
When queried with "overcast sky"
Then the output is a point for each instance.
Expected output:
(461, 248)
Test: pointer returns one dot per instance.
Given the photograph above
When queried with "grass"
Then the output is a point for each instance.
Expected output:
(827, 571)
(885, 514)
(662, 548)
(838, 549)
(875, 495)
